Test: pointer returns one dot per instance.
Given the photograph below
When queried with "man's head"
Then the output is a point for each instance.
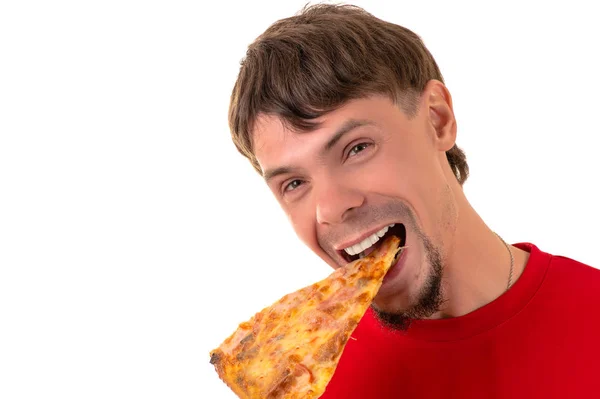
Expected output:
(348, 120)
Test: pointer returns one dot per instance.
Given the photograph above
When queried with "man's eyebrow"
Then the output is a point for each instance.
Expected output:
(271, 173)
(346, 127)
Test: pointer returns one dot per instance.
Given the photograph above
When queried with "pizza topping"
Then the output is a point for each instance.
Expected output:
(215, 358)
(290, 350)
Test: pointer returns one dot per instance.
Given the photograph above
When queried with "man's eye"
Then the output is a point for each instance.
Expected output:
(358, 148)
(294, 184)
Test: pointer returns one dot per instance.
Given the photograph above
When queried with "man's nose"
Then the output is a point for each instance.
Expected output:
(335, 203)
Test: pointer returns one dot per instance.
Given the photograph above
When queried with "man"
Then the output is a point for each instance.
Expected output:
(349, 122)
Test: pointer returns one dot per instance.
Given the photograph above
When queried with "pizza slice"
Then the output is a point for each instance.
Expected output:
(291, 349)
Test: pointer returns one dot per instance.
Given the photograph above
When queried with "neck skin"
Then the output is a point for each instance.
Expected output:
(476, 264)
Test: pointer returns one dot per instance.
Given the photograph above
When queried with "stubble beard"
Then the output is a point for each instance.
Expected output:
(429, 299)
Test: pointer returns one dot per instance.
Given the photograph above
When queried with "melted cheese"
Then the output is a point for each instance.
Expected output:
(290, 349)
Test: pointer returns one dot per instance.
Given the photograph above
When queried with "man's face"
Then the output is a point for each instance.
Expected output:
(366, 167)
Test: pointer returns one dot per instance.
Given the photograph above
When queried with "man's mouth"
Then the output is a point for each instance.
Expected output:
(369, 244)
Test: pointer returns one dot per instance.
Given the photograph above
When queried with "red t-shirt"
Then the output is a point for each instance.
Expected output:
(541, 339)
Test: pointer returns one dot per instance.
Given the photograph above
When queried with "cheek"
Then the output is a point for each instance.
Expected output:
(387, 174)
(303, 223)
(305, 226)
(407, 177)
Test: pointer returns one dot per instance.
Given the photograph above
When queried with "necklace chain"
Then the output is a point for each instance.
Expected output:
(512, 261)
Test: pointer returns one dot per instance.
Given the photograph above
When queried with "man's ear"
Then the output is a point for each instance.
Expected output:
(441, 114)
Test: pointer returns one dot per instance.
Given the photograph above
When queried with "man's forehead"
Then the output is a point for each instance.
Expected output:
(268, 126)
(270, 136)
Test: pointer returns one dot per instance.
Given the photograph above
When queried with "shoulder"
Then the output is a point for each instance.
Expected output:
(562, 276)
(570, 268)
(574, 271)
(569, 278)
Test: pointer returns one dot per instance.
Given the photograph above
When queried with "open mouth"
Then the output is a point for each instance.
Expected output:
(371, 243)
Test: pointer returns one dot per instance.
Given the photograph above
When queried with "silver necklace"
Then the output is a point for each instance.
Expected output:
(512, 261)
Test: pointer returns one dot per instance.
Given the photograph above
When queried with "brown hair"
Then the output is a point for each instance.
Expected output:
(307, 65)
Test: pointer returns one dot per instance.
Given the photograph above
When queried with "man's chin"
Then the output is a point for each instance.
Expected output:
(424, 306)
(394, 302)
(396, 321)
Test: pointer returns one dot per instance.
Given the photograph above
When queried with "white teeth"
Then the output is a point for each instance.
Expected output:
(382, 232)
(374, 238)
(367, 242)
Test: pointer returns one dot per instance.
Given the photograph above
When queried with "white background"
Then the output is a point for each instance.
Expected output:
(134, 238)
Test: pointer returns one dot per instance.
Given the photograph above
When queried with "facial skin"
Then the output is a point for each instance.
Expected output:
(385, 167)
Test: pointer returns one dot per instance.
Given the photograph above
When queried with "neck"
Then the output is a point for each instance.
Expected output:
(476, 265)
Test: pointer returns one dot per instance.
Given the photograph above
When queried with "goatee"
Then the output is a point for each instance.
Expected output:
(429, 299)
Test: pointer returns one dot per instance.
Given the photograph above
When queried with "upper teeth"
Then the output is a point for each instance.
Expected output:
(367, 242)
